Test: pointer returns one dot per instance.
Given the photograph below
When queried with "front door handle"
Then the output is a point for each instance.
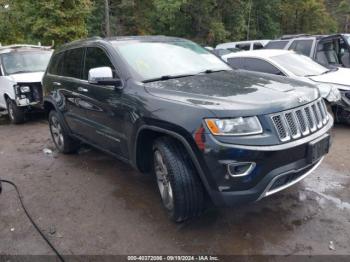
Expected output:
(56, 83)
(81, 89)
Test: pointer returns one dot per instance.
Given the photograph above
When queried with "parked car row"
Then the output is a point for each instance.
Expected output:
(327, 50)
(330, 50)
(334, 84)
(207, 132)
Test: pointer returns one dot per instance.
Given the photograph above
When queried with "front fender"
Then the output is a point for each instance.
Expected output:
(189, 144)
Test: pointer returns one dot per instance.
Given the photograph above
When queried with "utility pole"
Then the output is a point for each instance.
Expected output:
(249, 16)
(108, 27)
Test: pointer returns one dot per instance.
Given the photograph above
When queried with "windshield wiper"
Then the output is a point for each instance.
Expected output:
(166, 77)
(210, 71)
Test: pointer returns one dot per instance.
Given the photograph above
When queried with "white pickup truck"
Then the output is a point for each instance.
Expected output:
(21, 70)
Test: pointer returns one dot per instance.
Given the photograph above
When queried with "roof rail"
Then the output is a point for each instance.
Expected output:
(23, 46)
(83, 40)
(285, 37)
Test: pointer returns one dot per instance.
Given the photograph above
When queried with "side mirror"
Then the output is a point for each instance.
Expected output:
(103, 76)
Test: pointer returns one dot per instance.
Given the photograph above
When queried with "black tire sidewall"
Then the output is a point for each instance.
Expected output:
(188, 191)
(17, 116)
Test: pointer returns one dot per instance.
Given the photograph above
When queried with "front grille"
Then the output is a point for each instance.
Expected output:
(300, 121)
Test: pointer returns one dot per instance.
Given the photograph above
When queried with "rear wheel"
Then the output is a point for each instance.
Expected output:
(181, 191)
(63, 142)
(16, 114)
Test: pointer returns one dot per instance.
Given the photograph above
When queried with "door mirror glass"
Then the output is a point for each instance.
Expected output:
(103, 76)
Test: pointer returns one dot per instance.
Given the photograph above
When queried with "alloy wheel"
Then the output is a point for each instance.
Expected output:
(163, 181)
(56, 131)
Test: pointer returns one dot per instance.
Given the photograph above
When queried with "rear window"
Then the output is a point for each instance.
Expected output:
(235, 62)
(258, 65)
(276, 44)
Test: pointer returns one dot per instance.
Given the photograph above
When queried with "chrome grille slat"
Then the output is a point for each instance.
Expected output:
(301, 121)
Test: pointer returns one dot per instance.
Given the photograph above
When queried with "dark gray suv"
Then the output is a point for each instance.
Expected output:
(169, 107)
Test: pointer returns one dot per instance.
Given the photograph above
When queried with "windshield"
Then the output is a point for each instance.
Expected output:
(299, 65)
(152, 60)
(25, 61)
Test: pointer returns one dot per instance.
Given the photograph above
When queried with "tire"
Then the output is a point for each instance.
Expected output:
(63, 142)
(181, 190)
(16, 114)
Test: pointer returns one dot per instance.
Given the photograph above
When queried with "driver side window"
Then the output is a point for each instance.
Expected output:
(96, 57)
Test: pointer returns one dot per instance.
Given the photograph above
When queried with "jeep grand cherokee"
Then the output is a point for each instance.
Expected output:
(167, 106)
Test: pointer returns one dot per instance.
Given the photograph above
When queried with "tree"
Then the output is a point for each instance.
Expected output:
(35, 21)
(306, 16)
(343, 12)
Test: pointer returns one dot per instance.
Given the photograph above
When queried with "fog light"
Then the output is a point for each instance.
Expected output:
(240, 169)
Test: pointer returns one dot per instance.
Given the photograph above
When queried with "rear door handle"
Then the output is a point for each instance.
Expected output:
(81, 89)
(56, 83)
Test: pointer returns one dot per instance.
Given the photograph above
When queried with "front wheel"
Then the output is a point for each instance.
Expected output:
(63, 142)
(16, 114)
(180, 188)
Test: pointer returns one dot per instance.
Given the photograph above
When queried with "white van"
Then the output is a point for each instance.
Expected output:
(21, 70)
(244, 45)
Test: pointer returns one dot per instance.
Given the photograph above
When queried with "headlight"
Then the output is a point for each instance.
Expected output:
(25, 89)
(239, 126)
(334, 95)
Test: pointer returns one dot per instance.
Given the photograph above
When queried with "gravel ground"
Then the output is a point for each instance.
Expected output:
(92, 204)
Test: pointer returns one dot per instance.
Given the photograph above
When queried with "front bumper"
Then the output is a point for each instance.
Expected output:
(32, 98)
(277, 168)
(26, 102)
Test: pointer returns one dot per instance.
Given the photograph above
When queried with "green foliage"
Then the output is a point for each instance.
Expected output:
(43, 21)
(343, 15)
(206, 21)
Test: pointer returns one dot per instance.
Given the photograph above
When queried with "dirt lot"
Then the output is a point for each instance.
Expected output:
(90, 203)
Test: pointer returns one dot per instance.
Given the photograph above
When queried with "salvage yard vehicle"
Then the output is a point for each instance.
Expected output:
(21, 70)
(327, 50)
(168, 106)
(244, 45)
(334, 84)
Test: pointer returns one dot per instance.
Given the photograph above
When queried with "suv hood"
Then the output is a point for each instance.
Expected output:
(236, 92)
(35, 77)
(339, 77)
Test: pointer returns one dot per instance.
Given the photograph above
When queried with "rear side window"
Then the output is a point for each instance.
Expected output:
(96, 57)
(72, 65)
(302, 46)
(258, 65)
(56, 64)
(235, 62)
(276, 45)
(243, 46)
(257, 46)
